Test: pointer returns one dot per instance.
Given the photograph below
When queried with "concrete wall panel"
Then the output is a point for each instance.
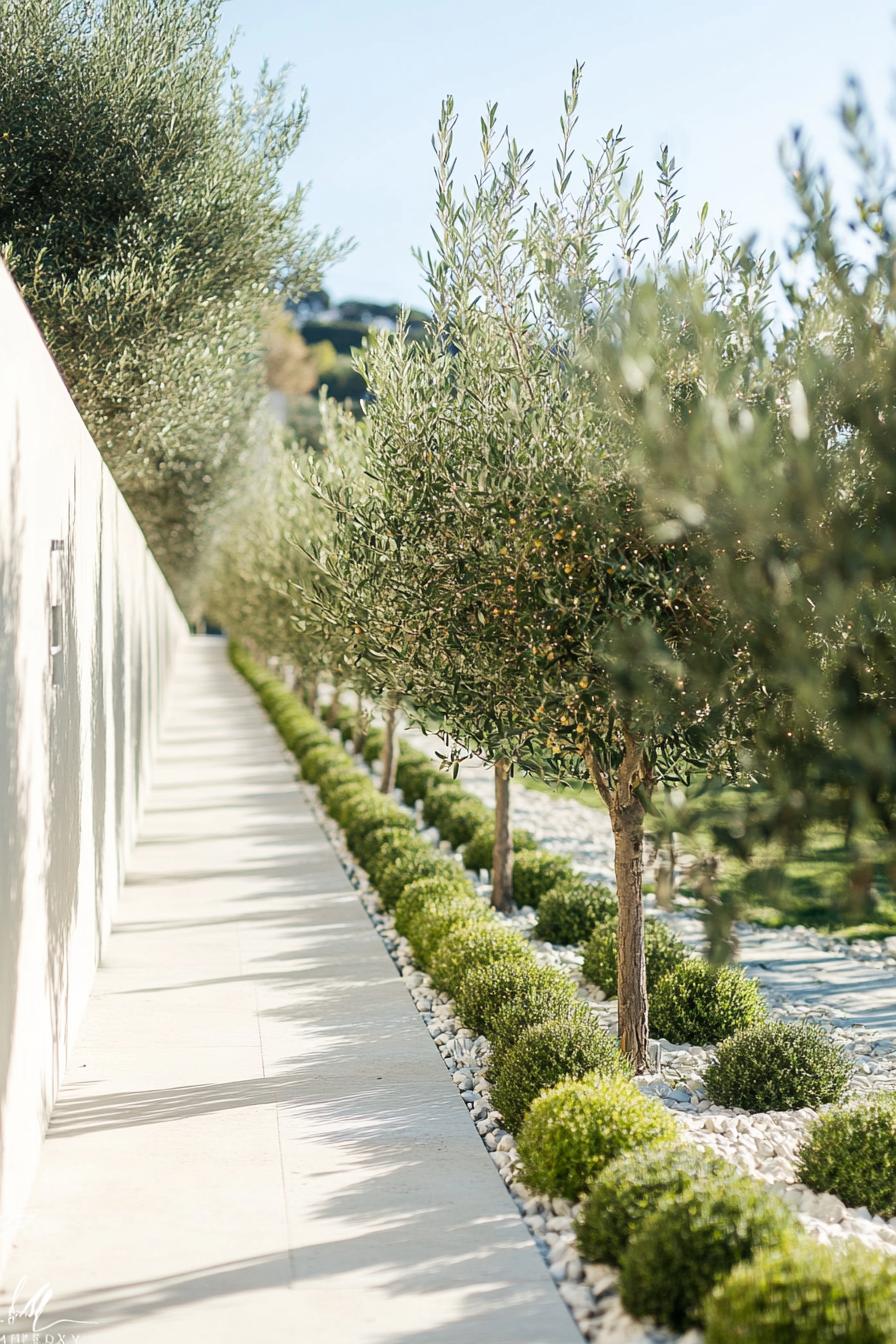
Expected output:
(88, 630)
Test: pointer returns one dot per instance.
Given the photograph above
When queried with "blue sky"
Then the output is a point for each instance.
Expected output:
(720, 82)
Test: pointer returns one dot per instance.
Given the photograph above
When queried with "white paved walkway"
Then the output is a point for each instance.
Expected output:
(257, 1138)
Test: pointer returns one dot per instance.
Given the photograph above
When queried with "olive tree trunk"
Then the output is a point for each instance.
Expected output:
(390, 745)
(333, 709)
(628, 833)
(623, 797)
(502, 854)
(359, 731)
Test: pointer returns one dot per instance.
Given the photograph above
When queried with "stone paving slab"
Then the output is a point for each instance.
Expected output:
(256, 1137)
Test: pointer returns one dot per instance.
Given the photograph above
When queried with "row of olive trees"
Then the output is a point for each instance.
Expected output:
(498, 566)
(142, 216)
(611, 527)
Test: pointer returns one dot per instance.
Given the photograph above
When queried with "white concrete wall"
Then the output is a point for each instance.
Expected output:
(74, 756)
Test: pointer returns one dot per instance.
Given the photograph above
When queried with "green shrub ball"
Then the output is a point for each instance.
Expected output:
(479, 850)
(373, 745)
(414, 774)
(345, 800)
(692, 1239)
(437, 918)
(536, 872)
(425, 889)
(319, 760)
(627, 1190)
(460, 820)
(442, 793)
(807, 1294)
(373, 813)
(510, 996)
(851, 1152)
(567, 1046)
(777, 1066)
(571, 1132)
(699, 1004)
(570, 912)
(391, 844)
(663, 951)
(392, 880)
(478, 944)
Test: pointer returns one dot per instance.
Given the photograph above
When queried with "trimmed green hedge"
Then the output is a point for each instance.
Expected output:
(467, 947)
(478, 851)
(571, 1132)
(663, 951)
(414, 774)
(417, 895)
(392, 879)
(460, 819)
(699, 1004)
(433, 920)
(569, 1046)
(851, 1152)
(501, 1000)
(806, 1294)
(571, 911)
(628, 1189)
(778, 1066)
(695, 1237)
(536, 872)
(442, 793)
(373, 746)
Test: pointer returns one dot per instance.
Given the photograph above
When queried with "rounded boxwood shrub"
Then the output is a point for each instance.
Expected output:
(571, 1132)
(699, 1004)
(806, 1294)
(851, 1152)
(335, 779)
(392, 844)
(778, 1066)
(692, 1239)
(569, 1046)
(373, 745)
(374, 814)
(406, 868)
(415, 770)
(417, 894)
(442, 793)
(514, 995)
(627, 1190)
(475, 945)
(346, 722)
(663, 951)
(349, 796)
(478, 850)
(303, 739)
(569, 912)
(460, 818)
(316, 762)
(535, 872)
(431, 923)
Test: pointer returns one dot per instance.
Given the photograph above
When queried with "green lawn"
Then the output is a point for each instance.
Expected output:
(811, 888)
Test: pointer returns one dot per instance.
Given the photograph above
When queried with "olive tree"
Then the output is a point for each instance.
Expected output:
(793, 496)
(142, 216)
(500, 569)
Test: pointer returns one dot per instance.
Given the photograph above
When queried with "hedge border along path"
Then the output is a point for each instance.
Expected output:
(762, 1144)
(588, 1290)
